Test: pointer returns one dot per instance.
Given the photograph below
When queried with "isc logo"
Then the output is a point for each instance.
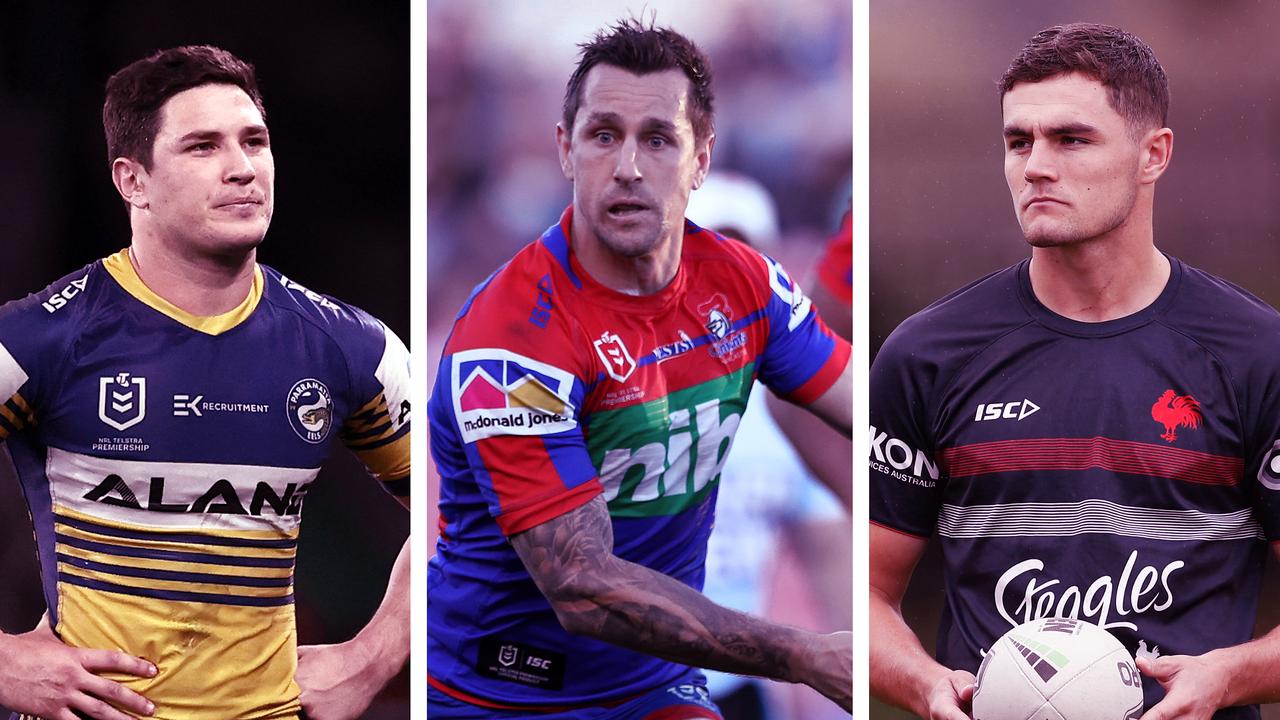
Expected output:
(1005, 411)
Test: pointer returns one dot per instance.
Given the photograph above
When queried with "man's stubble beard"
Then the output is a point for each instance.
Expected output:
(1071, 234)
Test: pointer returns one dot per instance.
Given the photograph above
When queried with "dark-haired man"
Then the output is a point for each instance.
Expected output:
(585, 401)
(164, 463)
(1089, 433)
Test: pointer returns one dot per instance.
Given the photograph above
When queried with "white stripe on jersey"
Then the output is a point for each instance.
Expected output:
(393, 375)
(12, 376)
(1094, 516)
(224, 497)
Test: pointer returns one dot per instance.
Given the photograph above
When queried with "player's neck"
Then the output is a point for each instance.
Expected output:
(641, 275)
(202, 285)
(1099, 280)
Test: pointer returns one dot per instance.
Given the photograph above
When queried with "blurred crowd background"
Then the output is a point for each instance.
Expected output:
(496, 74)
(335, 80)
(941, 214)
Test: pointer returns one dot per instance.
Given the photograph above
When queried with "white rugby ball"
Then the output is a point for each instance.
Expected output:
(1058, 669)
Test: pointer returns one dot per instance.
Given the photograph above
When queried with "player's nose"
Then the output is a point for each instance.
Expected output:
(1040, 163)
(240, 169)
(626, 166)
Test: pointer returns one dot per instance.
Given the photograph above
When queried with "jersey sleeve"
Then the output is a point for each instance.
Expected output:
(906, 489)
(34, 334)
(802, 357)
(506, 410)
(1261, 421)
(377, 430)
(835, 270)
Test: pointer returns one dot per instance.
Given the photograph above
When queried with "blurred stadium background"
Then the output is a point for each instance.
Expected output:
(335, 80)
(941, 215)
(496, 76)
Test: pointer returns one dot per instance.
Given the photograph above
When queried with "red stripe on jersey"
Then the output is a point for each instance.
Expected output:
(1121, 456)
(529, 489)
(682, 712)
(473, 700)
(814, 387)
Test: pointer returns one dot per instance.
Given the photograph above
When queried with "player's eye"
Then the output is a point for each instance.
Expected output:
(257, 142)
(1072, 140)
(201, 147)
(604, 137)
(1019, 144)
(657, 142)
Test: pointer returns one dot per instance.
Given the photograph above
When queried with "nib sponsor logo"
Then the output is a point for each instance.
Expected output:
(498, 392)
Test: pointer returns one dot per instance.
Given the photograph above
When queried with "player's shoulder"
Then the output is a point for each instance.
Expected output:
(529, 302)
(1225, 318)
(348, 326)
(961, 323)
(59, 306)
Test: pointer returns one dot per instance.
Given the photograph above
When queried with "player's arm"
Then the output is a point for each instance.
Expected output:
(340, 681)
(42, 676)
(902, 673)
(820, 433)
(597, 594)
(1198, 685)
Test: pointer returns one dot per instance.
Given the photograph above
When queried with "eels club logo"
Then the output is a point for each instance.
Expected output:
(310, 408)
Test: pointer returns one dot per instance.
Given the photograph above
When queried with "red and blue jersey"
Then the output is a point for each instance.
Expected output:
(554, 389)
(1123, 472)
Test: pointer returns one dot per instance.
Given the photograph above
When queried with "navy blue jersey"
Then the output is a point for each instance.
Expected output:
(1123, 472)
(165, 458)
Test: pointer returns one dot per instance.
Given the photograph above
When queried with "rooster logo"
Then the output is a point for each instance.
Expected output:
(1175, 411)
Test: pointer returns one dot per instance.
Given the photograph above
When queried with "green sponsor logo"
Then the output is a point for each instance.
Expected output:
(664, 456)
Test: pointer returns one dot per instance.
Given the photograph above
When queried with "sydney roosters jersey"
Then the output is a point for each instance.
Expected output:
(165, 458)
(554, 389)
(1123, 472)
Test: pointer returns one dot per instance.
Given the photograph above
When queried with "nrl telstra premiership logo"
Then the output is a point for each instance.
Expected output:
(617, 360)
(122, 400)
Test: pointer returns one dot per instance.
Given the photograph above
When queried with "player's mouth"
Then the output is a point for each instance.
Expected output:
(626, 210)
(1042, 201)
(241, 203)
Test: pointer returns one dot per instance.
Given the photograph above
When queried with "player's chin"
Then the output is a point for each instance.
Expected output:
(1048, 235)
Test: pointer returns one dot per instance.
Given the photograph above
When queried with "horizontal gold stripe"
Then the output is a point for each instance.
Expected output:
(174, 565)
(236, 534)
(181, 585)
(388, 462)
(159, 543)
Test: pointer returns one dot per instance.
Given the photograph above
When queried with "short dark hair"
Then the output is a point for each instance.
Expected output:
(1136, 85)
(632, 46)
(135, 94)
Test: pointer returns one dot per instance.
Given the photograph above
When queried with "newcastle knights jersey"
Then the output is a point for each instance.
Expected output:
(164, 458)
(1122, 472)
(554, 389)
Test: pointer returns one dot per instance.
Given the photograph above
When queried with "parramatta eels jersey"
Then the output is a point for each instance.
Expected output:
(165, 457)
(1123, 472)
(554, 389)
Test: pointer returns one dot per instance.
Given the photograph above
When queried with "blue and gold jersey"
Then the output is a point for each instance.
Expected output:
(165, 459)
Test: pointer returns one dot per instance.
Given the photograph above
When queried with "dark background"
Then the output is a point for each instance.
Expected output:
(941, 215)
(335, 80)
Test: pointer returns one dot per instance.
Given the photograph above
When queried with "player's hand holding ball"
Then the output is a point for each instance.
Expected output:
(950, 697)
(1058, 669)
(1194, 686)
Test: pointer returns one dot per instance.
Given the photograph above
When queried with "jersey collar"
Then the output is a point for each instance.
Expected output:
(122, 270)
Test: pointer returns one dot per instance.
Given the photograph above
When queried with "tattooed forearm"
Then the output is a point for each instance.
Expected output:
(597, 594)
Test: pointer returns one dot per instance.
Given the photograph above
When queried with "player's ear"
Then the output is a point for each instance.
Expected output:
(130, 179)
(1154, 152)
(563, 136)
(702, 157)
